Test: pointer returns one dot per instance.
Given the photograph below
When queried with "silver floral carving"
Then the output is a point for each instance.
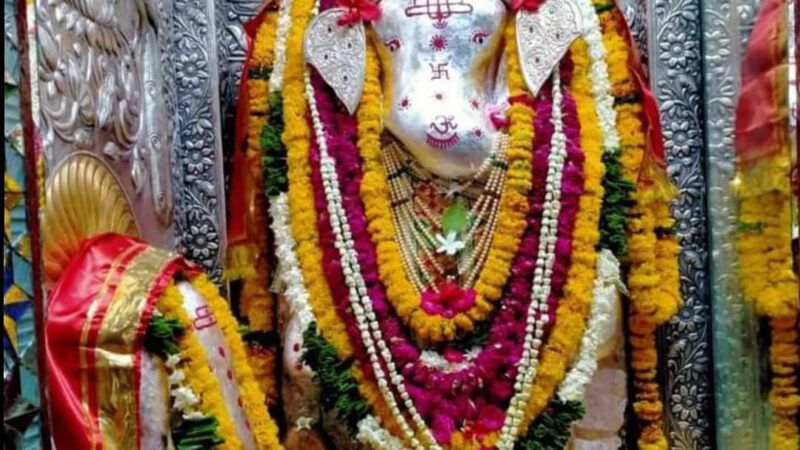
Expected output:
(100, 89)
(197, 161)
(232, 47)
(740, 409)
(338, 52)
(544, 36)
(231, 15)
(135, 81)
(674, 28)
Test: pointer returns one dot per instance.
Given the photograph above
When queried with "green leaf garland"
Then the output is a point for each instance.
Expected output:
(338, 389)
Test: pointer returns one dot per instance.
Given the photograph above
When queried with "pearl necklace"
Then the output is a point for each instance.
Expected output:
(415, 234)
(540, 290)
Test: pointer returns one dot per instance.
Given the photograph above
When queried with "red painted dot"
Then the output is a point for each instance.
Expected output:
(298, 366)
(239, 401)
(247, 424)
(230, 374)
(221, 352)
(296, 347)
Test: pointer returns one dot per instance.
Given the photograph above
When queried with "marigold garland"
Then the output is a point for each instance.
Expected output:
(510, 223)
(770, 285)
(188, 428)
(199, 376)
(573, 308)
(653, 279)
(296, 138)
(257, 302)
(264, 429)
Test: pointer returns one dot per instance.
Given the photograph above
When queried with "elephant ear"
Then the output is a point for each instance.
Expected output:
(338, 52)
(544, 36)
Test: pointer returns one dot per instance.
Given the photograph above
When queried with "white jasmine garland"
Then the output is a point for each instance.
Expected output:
(598, 73)
(602, 318)
(374, 436)
(540, 289)
(288, 269)
(279, 52)
(359, 299)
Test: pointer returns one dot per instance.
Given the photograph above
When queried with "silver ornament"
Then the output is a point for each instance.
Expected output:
(338, 53)
(544, 36)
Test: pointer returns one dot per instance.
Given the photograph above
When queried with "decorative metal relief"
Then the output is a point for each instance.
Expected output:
(232, 48)
(197, 151)
(338, 52)
(674, 28)
(101, 90)
(135, 83)
(544, 36)
(742, 419)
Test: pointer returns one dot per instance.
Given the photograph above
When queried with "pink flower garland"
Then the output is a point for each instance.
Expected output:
(475, 397)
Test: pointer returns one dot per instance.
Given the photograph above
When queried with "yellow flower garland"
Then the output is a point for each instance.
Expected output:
(199, 376)
(296, 137)
(263, 427)
(653, 280)
(770, 285)
(256, 302)
(201, 380)
(508, 232)
(560, 348)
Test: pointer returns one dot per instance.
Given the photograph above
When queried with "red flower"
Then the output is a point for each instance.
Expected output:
(528, 5)
(359, 10)
(449, 301)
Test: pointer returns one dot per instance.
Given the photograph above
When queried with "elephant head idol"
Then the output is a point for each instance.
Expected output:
(451, 186)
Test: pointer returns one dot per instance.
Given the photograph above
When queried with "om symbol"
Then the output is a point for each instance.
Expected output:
(443, 134)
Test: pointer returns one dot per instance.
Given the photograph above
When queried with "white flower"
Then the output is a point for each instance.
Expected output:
(450, 244)
(184, 398)
(304, 423)
(176, 377)
(173, 360)
(193, 415)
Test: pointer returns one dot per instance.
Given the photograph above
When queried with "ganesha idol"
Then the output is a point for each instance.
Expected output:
(461, 194)
(141, 350)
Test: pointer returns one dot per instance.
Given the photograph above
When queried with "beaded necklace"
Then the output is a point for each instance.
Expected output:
(419, 230)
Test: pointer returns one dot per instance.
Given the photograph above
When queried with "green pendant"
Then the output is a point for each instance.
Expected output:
(455, 217)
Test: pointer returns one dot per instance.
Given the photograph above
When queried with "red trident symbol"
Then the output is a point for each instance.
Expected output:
(438, 10)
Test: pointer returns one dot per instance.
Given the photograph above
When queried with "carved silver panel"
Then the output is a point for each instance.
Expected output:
(136, 83)
(101, 89)
(197, 160)
(674, 28)
(231, 15)
(741, 414)
(232, 46)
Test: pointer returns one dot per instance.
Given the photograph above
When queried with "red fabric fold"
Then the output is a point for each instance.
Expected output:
(762, 113)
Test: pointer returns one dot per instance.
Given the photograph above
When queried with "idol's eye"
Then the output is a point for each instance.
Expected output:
(393, 44)
(479, 37)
